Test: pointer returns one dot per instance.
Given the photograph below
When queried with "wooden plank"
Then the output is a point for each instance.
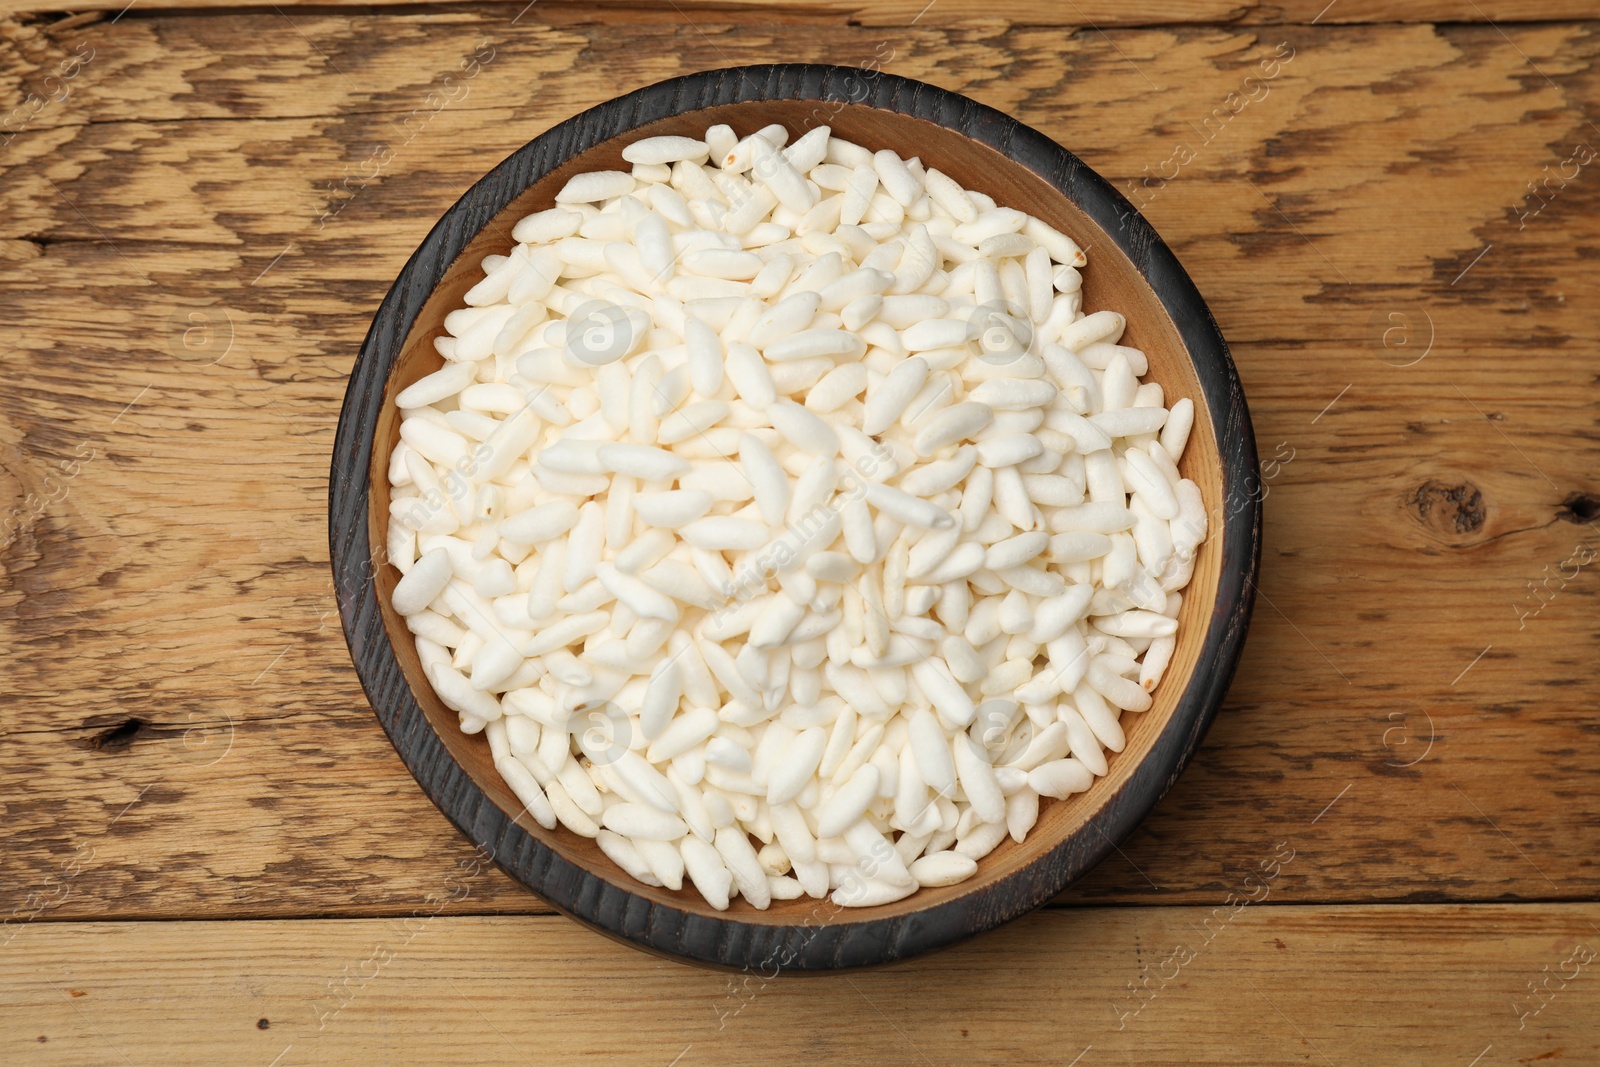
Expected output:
(898, 13)
(182, 328)
(1264, 985)
(330, 100)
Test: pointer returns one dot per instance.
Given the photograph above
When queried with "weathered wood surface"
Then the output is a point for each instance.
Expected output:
(1270, 985)
(1086, 13)
(186, 276)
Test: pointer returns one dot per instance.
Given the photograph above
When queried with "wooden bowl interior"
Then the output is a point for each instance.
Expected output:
(1110, 281)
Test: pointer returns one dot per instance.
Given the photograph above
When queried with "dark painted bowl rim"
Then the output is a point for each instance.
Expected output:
(726, 941)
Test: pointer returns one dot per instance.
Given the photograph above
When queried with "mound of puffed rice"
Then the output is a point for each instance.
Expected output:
(785, 523)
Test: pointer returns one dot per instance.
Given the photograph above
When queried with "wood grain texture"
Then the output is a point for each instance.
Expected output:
(1270, 985)
(1085, 13)
(178, 582)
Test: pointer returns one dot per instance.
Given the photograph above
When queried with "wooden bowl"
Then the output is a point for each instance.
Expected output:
(1130, 270)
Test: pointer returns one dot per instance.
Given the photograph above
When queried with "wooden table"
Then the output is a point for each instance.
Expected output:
(214, 856)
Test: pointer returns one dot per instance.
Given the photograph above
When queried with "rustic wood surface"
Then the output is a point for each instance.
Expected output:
(201, 211)
(1086, 13)
(1413, 984)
